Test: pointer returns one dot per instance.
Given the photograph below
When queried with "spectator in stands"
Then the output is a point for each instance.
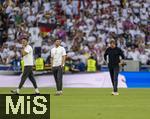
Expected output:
(134, 54)
(69, 10)
(3, 26)
(91, 64)
(39, 63)
(16, 63)
(143, 58)
(2, 57)
(80, 66)
(47, 6)
(11, 32)
(45, 54)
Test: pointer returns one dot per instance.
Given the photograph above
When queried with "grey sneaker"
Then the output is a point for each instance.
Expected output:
(58, 93)
(14, 92)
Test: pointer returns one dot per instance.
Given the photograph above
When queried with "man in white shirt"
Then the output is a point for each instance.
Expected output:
(75, 7)
(69, 10)
(143, 58)
(47, 6)
(58, 56)
(134, 54)
(27, 53)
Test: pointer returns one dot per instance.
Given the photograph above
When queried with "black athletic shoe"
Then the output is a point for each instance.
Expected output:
(37, 93)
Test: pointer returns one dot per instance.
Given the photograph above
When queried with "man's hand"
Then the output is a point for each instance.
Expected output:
(22, 50)
(23, 46)
(105, 62)
(122, 63)
(63, 61)
(62, 65)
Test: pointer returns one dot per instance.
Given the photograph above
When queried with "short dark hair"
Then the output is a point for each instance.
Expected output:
(113, 42)
(23, 37)
(57, 38)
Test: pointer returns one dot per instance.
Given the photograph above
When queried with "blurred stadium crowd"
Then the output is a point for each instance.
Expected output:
(85, 27)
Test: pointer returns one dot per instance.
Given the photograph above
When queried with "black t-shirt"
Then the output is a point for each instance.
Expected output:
(3, 21)
(113, 56)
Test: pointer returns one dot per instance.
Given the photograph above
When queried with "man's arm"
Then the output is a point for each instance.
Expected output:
(122, 54)
(51, 61)
(51, 58)
(24, 52)
(63, 60)
(122, 63)
(63, 57)
(105, 55)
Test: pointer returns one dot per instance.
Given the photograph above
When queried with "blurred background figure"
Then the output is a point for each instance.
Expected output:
(84, 26)
(91, 64)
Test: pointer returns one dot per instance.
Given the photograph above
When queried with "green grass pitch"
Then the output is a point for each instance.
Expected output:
(96, 103)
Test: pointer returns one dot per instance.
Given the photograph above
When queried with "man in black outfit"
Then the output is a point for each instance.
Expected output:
(114, 53)
(3, 26)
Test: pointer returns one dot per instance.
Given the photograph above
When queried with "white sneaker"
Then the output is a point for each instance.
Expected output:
(37, 91)
(58, 93)
(116, 94)
(113, 93)
(61, 92)
(16, 91)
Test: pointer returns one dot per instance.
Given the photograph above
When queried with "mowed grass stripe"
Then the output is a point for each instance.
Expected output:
(97, 103)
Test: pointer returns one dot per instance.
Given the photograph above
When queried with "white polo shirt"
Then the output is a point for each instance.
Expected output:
(28, 59)
(57, 54)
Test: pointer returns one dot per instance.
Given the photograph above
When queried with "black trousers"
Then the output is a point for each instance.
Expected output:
(28, 73)
(114, 71)
(58, 75)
